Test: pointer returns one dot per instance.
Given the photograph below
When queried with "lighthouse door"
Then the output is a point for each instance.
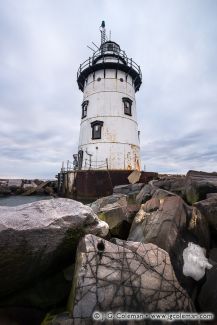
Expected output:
(80, 158)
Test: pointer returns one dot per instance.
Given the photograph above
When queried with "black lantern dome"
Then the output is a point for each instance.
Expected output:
(109, 56)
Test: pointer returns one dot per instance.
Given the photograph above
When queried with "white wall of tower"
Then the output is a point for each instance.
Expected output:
(119, 143)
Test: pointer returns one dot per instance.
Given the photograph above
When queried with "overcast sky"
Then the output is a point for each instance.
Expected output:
(44, 41)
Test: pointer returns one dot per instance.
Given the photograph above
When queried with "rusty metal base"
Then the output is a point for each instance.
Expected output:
(88, 185)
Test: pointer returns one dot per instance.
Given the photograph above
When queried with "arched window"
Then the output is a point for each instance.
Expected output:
(96, 129)
(84, 108)
(127, 106)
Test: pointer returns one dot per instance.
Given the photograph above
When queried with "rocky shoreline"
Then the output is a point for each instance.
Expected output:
(27, 187)
(146, 248)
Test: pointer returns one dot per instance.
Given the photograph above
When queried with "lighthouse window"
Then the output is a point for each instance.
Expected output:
(110, 47)
(96, 129)
(84, 108)
(127, 106)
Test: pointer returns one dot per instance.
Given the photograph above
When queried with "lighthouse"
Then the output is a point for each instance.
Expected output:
(108, 151)
(109, 136)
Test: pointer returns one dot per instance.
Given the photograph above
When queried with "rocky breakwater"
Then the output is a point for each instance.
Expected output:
(27, 187)
(154, 250)
(178, 214)
(145, 262)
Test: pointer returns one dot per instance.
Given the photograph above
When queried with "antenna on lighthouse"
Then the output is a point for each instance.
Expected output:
(103, 32)
(90, 48)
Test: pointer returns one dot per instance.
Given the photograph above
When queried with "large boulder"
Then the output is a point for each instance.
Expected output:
(211, 195)
(161, 194)
(175, 184)
(52, 290)
(128, 188)
(118, 198)
(144, 194)
(163, 221)
(21, 316)
(199, 184)
(4, 190)
(117, 217)
(166, 215)
(208, 294)
(134, 277)
(40, 238)
(199, 227)
(208, 209)
(131, 190)
(116, 210)
(213, 256)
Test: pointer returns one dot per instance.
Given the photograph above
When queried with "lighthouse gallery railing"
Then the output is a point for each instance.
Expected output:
(118, 55)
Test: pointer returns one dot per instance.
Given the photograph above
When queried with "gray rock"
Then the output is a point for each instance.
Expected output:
(157, 189)
(122, 189)
(152, 205)
(208, 294)
(15, 182)
(161, 194)
(49, 190)
(165, 227)
(136, 187)
(175, 184)
(199, 227)
(166, 222)
(134, 278)
(199, 184)
(208, 209)
(114, 198)
(39, 237)
(21, 316)
(131, 190)
(213, 256)
(211, 195)
(4, 190)
(134, 177)
(136, 231)
(144, 194)
(128, 188)
(117, 217)
(117, 212)
(29, 185)
(44, 293)
(4, 182)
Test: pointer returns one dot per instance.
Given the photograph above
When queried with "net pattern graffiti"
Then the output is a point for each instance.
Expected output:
(134, 277)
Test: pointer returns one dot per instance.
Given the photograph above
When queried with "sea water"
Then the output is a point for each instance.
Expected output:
(15, 200)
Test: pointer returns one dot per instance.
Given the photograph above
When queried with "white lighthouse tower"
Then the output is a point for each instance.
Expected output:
(109, 136)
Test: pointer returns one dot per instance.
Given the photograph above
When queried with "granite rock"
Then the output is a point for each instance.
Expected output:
(41, 237)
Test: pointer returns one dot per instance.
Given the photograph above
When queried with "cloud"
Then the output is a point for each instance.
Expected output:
(42, 45)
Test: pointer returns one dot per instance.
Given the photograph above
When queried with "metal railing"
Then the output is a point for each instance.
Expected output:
(93, 164)
(69, 166)
(96, 164)
(118, 55)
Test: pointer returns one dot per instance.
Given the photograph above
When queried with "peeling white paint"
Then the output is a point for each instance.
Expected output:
(119, 143)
